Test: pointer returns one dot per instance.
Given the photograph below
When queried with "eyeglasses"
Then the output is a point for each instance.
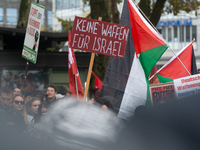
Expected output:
(17, 102)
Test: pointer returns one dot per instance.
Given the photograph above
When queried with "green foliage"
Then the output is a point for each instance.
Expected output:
(67, 24)
(186, 5)
(57, 47)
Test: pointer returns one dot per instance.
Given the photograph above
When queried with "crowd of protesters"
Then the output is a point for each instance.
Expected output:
(51, 121)
(22, 113)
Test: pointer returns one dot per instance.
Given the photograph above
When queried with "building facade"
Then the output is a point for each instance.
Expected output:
(178, 31)
(51, 67)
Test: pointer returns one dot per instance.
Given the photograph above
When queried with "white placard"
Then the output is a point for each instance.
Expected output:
(32, 38)
(187, 86)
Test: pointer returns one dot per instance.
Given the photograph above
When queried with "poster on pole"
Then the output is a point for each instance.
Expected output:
(99, 37)
(32, 37)
(187, 86)
(161, 93)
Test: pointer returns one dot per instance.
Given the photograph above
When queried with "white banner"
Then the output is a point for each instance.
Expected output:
(32, 38)
(187, 86)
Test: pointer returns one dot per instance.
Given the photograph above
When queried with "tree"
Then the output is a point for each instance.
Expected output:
(107, 9)
(154, 10)
(24, 13)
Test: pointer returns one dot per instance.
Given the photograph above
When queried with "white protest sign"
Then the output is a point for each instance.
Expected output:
(32, 38)
(187, 86)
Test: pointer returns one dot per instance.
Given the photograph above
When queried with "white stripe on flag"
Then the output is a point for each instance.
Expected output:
(135, 93)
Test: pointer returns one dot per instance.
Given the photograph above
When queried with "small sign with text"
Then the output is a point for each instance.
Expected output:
(32, 38)
(187, 86)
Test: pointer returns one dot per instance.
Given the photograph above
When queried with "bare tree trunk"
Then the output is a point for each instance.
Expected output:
(24, 13)
(155, 15)
(100, 8)
(157, 11)
(115, 12)
(145, 7)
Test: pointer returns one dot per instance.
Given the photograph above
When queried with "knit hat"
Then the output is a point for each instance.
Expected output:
(76, 125)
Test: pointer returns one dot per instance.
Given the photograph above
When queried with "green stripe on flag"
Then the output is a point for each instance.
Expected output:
(164, 79)
(150, 57)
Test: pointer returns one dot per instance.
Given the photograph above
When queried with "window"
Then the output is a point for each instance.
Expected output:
(194, 33)
(11, 15)
(175, 34)
(74, 3)
(164, 33)
(50, 18)
(169, 34)
(181, 33)
(187, 33)
(1, 14)
(67, 4)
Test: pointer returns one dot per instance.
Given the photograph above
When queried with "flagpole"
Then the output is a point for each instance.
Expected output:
(179, 61)
(76, 87)
(90, 71)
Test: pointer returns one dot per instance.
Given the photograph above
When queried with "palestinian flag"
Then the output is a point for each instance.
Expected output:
(126, 80)
(149, 47)
(173, 69)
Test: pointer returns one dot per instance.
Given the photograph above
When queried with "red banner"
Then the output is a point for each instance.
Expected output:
(99, 37)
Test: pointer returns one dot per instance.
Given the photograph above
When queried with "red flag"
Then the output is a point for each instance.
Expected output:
(98, 83)
(73, 71)
(173, 69)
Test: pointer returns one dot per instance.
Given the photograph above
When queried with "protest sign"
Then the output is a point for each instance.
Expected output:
(187, 86)
(32, 37)
(99, 37)
(161, 93)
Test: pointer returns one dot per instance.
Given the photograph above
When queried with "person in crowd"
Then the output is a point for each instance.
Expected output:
(42, 96)
(30, 84)
(16, 91)
(6, 98)
(27, 96)
(18, 106)
(20, 81)
(34, 109)
(9, 80)
(51, 95)
(66, 93)
(104, 103)
(96, 93)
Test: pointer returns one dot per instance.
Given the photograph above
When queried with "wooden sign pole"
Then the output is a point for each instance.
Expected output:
(90, 71)
(89, 75)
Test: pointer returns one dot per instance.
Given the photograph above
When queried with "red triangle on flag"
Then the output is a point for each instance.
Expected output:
(174, 69)
(98, 83)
